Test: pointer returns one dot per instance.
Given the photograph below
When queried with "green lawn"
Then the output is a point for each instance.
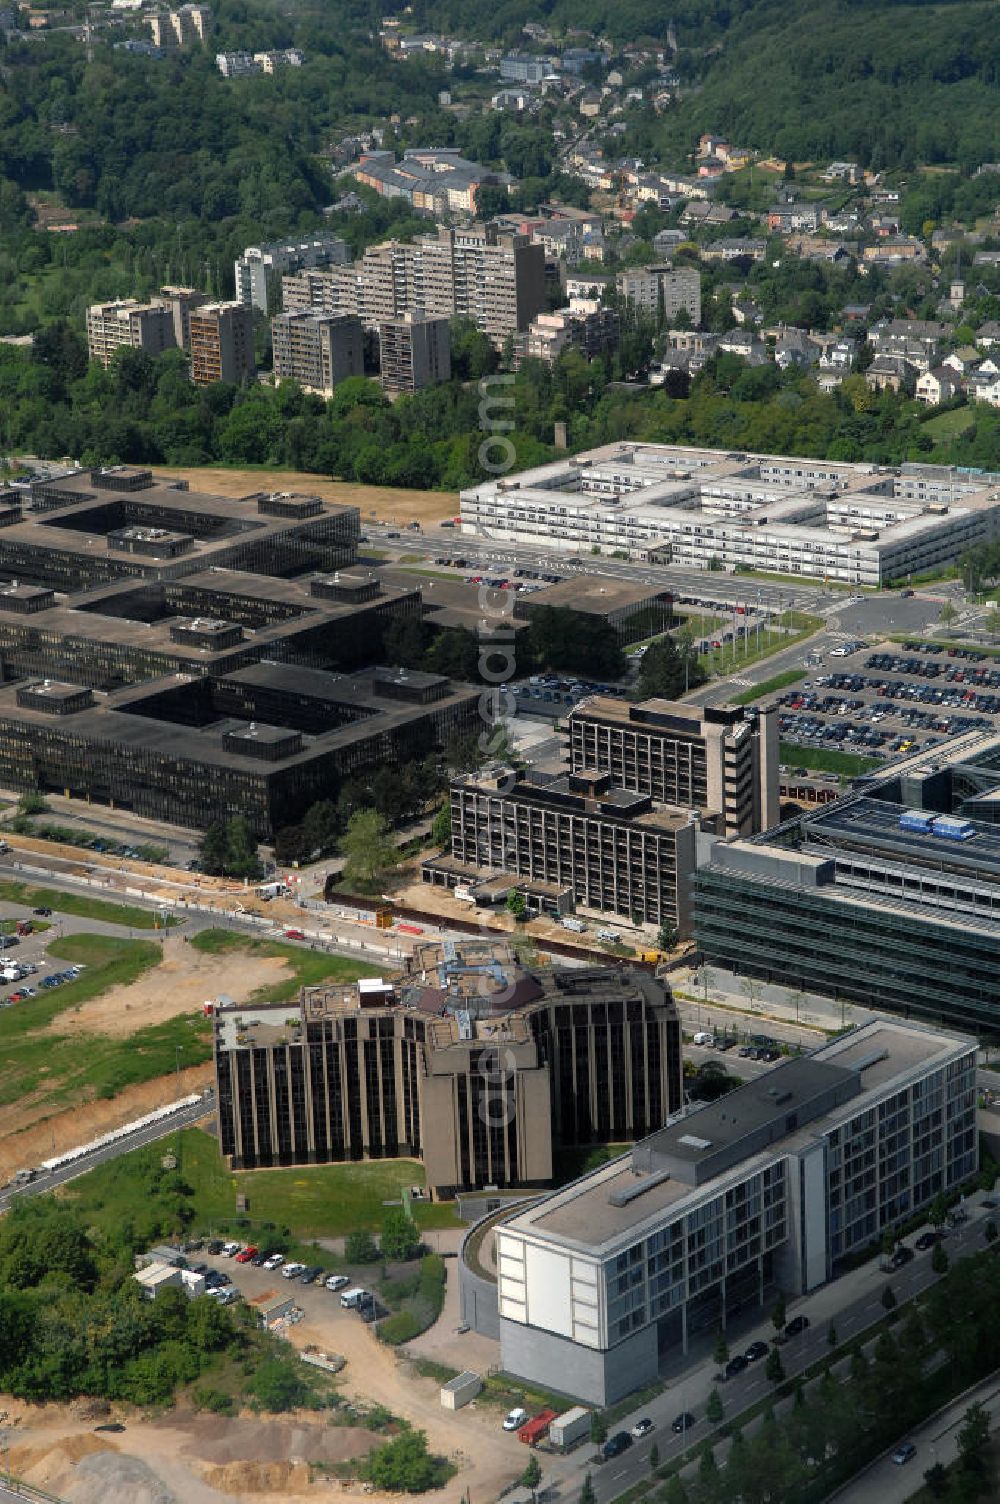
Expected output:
(827, 760)
(950, 425)
(309, 967)
(82, 906)
(771, 686)
(62, 1068)
(798, 625)
(315, 1201)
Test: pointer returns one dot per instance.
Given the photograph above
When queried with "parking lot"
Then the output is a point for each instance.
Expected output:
(893, 698)
(25, 968)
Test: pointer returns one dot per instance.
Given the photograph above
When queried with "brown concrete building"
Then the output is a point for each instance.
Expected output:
(473, 1063)
(317, 350)
(221, 344)
(718, 759)
(414, 352)
(609, 847)
(633, 610)
(131, 325)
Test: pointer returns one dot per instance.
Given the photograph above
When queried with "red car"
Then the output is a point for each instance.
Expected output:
(247, 1254)
(294, 935)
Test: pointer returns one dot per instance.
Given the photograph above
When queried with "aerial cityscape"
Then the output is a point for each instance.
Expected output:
(499, 752)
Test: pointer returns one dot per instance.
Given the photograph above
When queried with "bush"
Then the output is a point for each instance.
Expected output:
(278, 1385)
(214, 1400)
(400, 1236)
(401, 1326)
(405, 1465)
(361, 1248)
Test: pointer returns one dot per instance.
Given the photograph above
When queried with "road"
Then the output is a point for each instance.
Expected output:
(852, 1303)
(148, 1135)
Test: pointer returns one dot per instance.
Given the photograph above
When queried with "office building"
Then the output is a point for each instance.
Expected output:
(221, 344)
(773, 1186)
(414, 352)
(317, 350)
(859, 524)
(525, 69)
(631, 609)
(259, 270)
(480, 272)
(721, 759)
(131, 325)
(605, 848)
(889, 897)
(663, 291)
(475, 1064)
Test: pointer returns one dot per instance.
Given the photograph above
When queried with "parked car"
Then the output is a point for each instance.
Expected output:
(736, 1365)
(796, 1325)
(337, 1282)
(515, 1419)
(615, 1445)
(642, 1428)
(756, 1351)
(682, 1423)
(294, 935)
(248, 1253)
(925, 1241)
(44, 912)
(901, 1255)
(904, 1453)
(309, 1276)
(291, 1270)
(275, 1261)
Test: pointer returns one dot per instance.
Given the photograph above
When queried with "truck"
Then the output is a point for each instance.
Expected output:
(576, 925)
(267, 891)
(570, 1427)
(24, 1177)
(351, 1299)
(537, 1428)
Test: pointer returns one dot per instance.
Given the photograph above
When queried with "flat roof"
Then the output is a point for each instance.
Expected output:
(874, 824)
(614, 1205)
(595, 594)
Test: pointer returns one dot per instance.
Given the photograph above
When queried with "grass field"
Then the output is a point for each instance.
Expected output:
(950, 425)
(36, 1060)
(309, 967)
(313, 1202)
(389, 503)
(827, 760)
(770, 686)
(798, 625)
(81, 905)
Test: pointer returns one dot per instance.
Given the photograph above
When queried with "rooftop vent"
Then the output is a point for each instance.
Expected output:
(627, 1193)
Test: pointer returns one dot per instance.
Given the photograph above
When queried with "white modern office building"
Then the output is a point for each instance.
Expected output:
(767, 1188)
(860, 524)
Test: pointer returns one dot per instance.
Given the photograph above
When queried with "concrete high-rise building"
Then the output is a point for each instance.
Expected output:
(221, 343)
(480, 272)
(664, 291)
(181, 301)
(191, 24)
(586, 325)
(130, 324)
(414, 351)
(259, 270)
(719, 759)
(317, 350)
(474, 1063)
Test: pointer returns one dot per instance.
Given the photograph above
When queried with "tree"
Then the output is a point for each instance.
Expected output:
(516, 903)
(675, 1492)
(888, 1241)
(587, 1494)
(654, 1457)
(937, 1214)
(31, 803)
(947, 614)
(441, 829)
(403, 1465)
(720, 1353)
(667, 936)
(277, 1385)
(714, 1409)
(990, 1230)
(939, 1259)
(888, 1299)
(708, 1468)
(369, 852)
(598, 1428)
(831, 1336)
(532, 1475)
(779, 1314)
(212, 850)
(360, 1248)
(973, 1439)
(667, 670)
(774, 1369)
(400, 1237)
(936, 1478)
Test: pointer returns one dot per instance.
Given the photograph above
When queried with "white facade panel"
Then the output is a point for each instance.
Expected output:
(550, 1303)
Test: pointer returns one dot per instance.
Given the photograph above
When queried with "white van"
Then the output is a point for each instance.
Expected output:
(704, 1038)
(351, 1299)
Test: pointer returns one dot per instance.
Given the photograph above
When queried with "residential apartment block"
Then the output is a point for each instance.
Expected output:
(259, 270)
(317, 350)
(131, 325)
(772, 1187)
(858, 523)
(181, 301)
(414, 352)
(663, 291)
(471, 1062)
(221, 343)
(494, 278)
(585, 325)
(438, 181)
(721, 759)
(608, 849)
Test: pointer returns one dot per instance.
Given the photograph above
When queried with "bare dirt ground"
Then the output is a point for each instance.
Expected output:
(179, 1458)
(388, 503)
(180, 984)
(28, 1135)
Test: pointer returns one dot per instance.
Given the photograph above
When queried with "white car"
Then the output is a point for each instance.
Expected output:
(291, 1270)
(516, 1419)
(337, 1281)
(229, 1249)
(274, 1262)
